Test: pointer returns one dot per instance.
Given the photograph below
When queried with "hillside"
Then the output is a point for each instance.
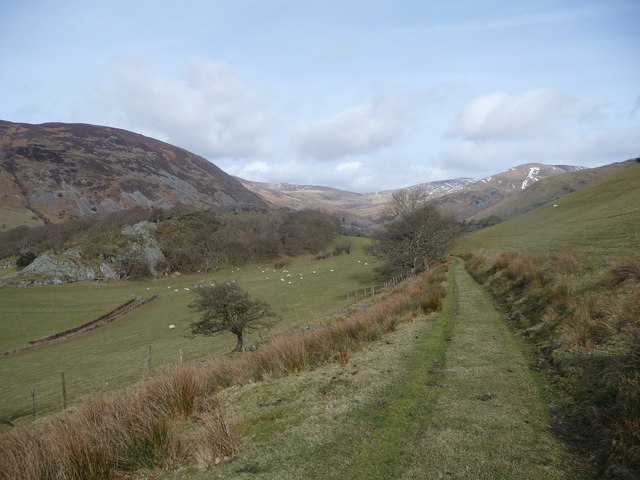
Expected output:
(56, 171)
(462, 196)
(547, 190)
(352, 208)
(601, 219)
(489, 191)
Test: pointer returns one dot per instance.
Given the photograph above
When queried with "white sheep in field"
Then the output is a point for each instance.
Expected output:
(172, 327)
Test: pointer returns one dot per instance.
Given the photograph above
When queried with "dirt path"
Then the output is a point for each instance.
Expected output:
(488, 420)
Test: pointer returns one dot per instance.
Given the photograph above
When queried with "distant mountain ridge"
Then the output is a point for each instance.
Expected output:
(352, 208)
(56, 171)
(463, 196)
(488, 191)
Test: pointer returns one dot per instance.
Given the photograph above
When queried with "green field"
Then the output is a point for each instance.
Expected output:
(115, 355)
(602, 221)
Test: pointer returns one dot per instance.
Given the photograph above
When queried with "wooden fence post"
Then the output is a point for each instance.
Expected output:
(64, 391)
(147, 362)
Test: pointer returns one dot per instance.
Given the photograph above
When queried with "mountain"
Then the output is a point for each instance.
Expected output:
(599, 220)
(362, 209)
(462, 196)
(547, 190)
(56, 171)
(484, 193)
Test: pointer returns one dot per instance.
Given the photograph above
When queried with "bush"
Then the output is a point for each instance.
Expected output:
(343, 248)
(25, 258)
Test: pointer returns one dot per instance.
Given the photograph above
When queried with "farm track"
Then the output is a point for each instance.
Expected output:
(109, 317)
(488, 419)
(477, 413)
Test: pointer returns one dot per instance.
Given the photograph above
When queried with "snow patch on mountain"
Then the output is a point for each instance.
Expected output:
(532, 177)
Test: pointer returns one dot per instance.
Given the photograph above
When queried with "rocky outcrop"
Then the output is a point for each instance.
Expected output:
(144, 246)
(74, 265)
(67, 267)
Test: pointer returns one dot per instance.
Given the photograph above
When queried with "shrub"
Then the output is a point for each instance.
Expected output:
(25, 258)
(343, 248)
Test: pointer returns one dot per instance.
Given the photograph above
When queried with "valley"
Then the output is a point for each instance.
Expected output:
(482, 366)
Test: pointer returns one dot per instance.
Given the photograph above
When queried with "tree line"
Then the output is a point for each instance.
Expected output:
(189, 240)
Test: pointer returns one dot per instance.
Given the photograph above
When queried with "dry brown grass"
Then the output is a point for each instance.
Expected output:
(565, 262)
(626, 270)
(107, 436)
(432, 301)
(503, 260)
(586, 327)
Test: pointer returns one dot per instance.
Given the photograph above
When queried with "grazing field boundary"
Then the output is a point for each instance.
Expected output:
(118, 312)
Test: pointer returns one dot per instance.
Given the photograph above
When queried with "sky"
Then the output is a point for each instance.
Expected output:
(361, 95)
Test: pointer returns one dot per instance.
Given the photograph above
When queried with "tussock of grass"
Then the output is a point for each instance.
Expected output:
(107, 436)
(626, 270)
(587, 329)
(432, 301)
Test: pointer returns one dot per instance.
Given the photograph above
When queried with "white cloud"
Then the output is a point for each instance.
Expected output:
(590, 149)
(349, 167)
(206, 110)
(532, 114)
(358, 130)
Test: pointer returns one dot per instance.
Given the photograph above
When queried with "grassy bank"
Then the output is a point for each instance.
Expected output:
(585, 328)
(600, 221)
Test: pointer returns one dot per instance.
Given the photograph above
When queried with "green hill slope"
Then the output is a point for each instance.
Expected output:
(547, 190)
(601, 220)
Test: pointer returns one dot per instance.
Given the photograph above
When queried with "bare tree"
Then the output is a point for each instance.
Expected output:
(403, 202)
(226, 307)
(413, 241)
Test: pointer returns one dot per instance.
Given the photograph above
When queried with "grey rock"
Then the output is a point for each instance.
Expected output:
(73, 265)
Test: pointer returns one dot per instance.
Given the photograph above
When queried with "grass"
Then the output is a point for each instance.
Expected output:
(600, 221)
(489, 420)
(443, 396)
(15, 216)
(115, 355)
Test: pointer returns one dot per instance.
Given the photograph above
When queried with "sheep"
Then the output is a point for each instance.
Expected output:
(172, 327)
